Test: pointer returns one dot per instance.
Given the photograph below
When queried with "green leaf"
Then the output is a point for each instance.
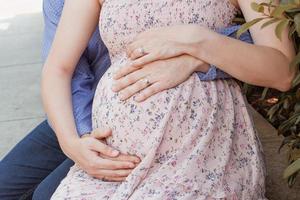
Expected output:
(286, 103)
(273, 110)
(279, 10)
(297, 121)
(296, 61)
(292, 31)
(257, 7)
(296, 81)
(286, 140)
(295, 1)
(247, 25)
(298, 97)
(297, 23)
(293, 10)
(280, 27)
(292, 169)
(264, 93)
(271, 21)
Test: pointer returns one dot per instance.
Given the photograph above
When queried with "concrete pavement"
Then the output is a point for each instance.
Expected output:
(21, 27)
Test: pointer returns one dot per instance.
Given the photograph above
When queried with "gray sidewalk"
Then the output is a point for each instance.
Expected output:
(21, 27)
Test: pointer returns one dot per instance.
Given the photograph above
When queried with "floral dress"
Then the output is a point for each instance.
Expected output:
(196, 141)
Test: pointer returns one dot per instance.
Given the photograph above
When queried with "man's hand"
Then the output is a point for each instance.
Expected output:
(98, 159)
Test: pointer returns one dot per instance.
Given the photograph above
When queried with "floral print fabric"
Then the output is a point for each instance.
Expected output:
(196, 140)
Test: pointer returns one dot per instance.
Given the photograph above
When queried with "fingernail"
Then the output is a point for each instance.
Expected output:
(114, 88)
(122, 96)
(108, 130)
(115, 153)
(131, 165)
(115, 76)
(138, 98)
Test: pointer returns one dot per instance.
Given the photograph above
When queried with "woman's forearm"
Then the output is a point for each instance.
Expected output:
(254, 64)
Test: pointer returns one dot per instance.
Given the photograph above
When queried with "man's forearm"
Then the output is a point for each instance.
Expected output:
(57, 103)
(81, 91)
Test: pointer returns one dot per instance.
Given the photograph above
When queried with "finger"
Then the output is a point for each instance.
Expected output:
(116, 179)
(113, 173)
(101, 133)
(128, 80)
(145, 60)
(104, 149)
(124, 71)
(134, 45)
(110, 179)
(137, 53)
(113, 164)
(134, 88)
(149, 91)
(123, 157)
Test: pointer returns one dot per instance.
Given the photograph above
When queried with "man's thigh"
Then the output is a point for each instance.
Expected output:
(46, 188)
(29, 162)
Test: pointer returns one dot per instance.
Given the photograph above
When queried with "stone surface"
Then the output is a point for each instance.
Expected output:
(20, 95)
(21, 41)
(21, 26)
(277, 188)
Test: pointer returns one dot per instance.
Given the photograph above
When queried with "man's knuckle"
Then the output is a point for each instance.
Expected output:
(89, 143)
(91, 165)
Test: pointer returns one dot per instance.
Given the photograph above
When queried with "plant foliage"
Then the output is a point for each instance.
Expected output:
(284, 114)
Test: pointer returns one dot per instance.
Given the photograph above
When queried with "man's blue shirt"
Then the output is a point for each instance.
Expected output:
(95, 61)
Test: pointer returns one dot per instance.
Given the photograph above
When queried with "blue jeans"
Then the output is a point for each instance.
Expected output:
(34, 167)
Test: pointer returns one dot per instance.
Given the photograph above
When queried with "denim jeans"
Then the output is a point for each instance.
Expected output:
(34, 167)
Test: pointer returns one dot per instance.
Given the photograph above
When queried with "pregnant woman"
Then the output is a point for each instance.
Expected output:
(196, 140)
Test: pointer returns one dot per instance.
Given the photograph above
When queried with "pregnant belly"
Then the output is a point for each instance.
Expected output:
(137, 127)
(140, 127)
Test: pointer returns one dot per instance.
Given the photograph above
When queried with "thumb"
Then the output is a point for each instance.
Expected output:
(101, 133)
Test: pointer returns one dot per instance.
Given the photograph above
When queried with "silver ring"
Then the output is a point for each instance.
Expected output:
(145, 80)
(141, 51)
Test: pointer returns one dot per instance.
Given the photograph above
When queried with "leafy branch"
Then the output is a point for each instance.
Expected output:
(285, 113)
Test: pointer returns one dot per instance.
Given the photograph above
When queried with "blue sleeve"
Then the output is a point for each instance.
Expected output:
(214, 73)
(83, 78)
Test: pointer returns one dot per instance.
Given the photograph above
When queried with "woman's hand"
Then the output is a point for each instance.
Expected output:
(146, 50)
(155, 76)
(163, 43)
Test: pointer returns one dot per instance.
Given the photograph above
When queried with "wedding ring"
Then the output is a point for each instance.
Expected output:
(145, 80)
(141, 50)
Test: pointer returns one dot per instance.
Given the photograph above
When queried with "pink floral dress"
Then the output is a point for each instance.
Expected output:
(196, 141)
